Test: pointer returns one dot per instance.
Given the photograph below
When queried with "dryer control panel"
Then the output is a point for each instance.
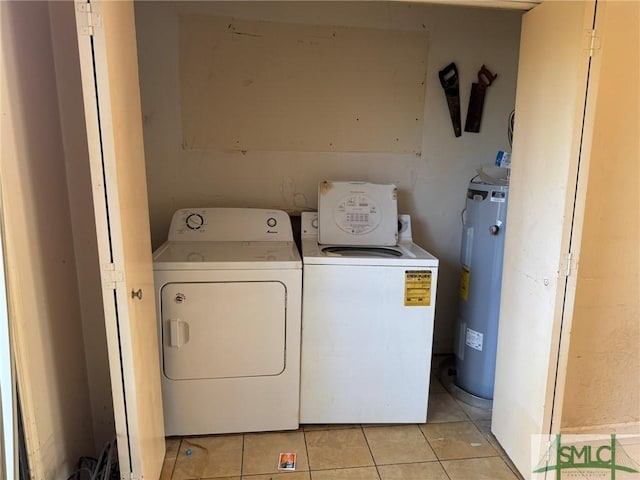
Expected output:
(230, 225)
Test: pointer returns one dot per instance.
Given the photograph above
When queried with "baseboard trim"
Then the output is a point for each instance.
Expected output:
(608, 428)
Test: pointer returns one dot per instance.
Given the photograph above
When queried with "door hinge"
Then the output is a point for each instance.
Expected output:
(88, 20)
(593, 42)
(570, 264)
(111, 277)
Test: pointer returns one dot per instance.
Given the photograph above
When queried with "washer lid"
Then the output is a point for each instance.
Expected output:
(405, 254)
(357, 213)
(226, 255)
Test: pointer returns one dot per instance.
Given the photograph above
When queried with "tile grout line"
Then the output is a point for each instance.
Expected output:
(472, 422)
(375, 464)
(242, 457)
(516, 474)
(433, 449)
(306, 449)
(175, 460)
(446, 474)
(512, 467)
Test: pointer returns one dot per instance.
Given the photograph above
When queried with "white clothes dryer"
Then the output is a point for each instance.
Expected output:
(228, 284)
(367, 329)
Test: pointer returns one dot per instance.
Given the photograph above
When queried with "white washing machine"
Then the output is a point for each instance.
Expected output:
(367, 329)
(229, 285)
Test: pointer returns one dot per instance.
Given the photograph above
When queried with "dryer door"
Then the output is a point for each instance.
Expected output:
(223, 329)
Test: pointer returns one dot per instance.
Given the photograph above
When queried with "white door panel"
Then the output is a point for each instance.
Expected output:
(550, 102)
(111, 95)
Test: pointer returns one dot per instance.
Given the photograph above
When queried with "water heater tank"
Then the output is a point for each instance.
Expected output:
(481, 254)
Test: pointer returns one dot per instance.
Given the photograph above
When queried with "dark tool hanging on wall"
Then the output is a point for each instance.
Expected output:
(476, 101)
(449, 81)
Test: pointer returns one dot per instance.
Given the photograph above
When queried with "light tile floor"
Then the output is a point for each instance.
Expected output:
(455, 444)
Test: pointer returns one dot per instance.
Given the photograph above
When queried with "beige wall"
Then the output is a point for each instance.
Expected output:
(432, 185)
(603, 375)
(43, 288)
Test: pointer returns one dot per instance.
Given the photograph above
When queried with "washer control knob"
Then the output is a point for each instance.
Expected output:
(271, 222)
(194, 221)
(314, 222)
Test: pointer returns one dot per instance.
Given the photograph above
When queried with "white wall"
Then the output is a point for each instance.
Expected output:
(43, 289)
(432, 185)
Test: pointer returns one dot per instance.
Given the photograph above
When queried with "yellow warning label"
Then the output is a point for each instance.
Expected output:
(464, 282)
(417, 288)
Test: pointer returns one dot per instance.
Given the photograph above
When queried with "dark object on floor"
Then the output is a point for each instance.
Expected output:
(105, 467)
(447, 376)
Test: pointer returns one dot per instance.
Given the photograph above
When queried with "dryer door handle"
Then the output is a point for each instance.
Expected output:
(178, 333)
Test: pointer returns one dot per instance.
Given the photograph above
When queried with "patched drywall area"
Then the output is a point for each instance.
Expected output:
(603, 382)
(308, 88)
(283, 169)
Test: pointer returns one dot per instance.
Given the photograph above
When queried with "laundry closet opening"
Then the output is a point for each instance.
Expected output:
(252, 104)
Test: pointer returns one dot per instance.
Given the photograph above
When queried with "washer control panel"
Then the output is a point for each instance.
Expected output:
(230, 224)
(357, 213)
(309, 226)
